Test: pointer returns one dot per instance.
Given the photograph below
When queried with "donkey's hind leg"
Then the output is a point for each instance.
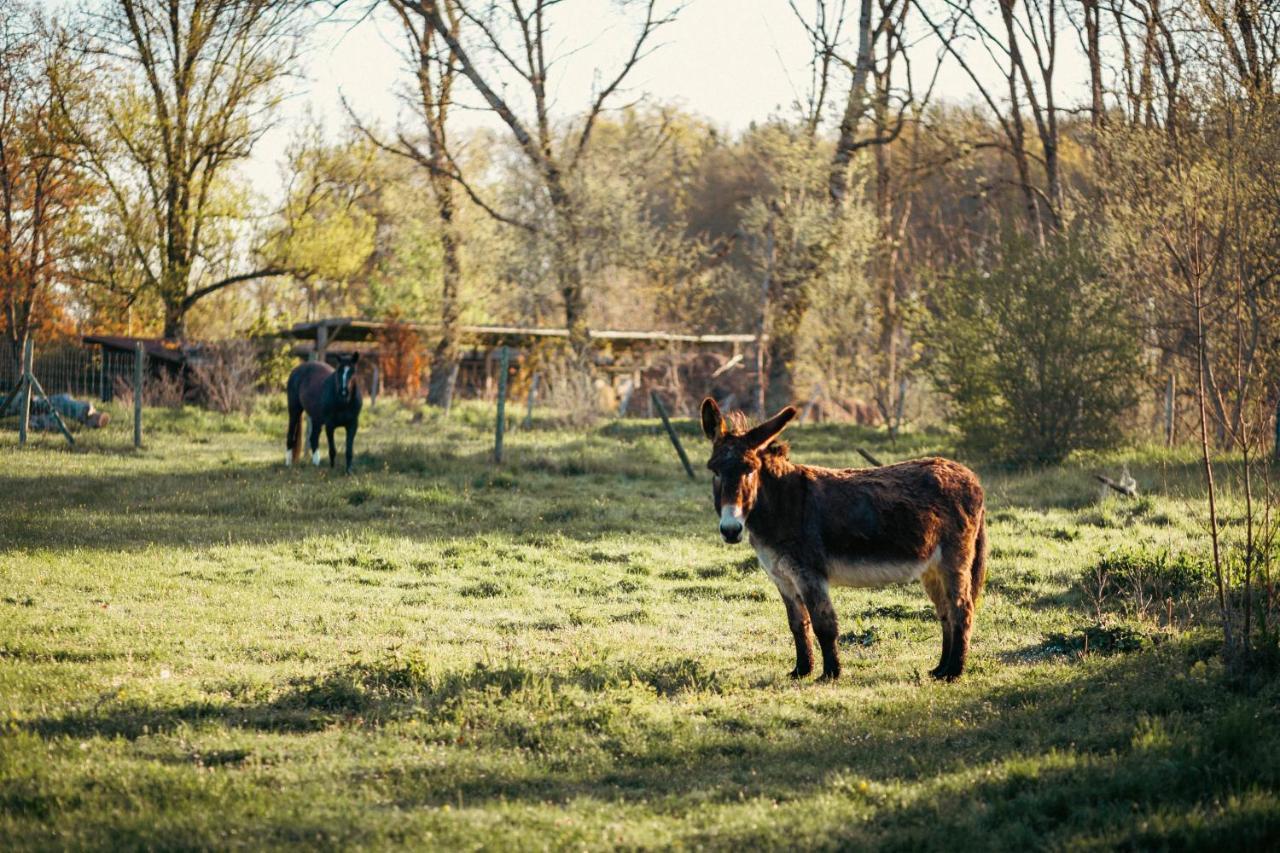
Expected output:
(955, 572)
(934, 586)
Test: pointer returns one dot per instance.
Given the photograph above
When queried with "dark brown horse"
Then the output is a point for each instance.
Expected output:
(332, 399)
(815, 527)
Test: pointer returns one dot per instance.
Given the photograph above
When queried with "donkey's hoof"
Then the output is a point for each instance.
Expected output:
(288, 459)
(829, 675)
(315, 458)
(799, 672)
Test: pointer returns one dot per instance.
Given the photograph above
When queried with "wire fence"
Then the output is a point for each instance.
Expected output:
(82, 371)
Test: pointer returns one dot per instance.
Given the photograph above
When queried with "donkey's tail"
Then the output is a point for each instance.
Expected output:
(978, 578)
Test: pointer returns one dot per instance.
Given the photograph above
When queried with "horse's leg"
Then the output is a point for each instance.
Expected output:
(333, 451)
(351, 443)
(292, 436)
(315, 440)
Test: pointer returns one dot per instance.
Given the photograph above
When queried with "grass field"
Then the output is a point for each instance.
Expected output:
(202, 649)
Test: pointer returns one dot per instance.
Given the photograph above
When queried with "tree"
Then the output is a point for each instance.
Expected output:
(194, 86)
(42, 190)
(1037, 353)
(435, 71)
(505, 49)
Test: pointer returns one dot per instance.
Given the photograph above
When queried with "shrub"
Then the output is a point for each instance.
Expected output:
(1140, 580)
(162, 389)
(1037, 353)
(226, 376)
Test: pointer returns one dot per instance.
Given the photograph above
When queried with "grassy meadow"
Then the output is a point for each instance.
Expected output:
(200, 648)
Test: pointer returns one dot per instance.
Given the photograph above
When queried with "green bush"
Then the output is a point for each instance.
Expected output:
(1037, 353)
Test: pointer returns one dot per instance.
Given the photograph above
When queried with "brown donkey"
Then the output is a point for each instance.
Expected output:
(813, 527)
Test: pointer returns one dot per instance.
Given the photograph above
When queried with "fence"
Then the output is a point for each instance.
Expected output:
(81, 371)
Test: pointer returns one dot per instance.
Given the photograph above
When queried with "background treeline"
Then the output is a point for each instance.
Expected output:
(1037, 265)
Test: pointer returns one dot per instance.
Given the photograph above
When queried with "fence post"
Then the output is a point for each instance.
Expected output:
(138, 357)
(1168, 412)
(375, 385)
(24, 410)
(533, 393)
(504, 362)
(671, 433)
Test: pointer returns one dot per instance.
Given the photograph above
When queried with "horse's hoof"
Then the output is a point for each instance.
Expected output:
(799, 673)
(288, 459)
(829, 675)
(315, 458)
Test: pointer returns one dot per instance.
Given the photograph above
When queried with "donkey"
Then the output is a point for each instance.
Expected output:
(813, 527)
(332, 399)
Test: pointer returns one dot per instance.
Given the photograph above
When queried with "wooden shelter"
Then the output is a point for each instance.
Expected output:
(628, 359)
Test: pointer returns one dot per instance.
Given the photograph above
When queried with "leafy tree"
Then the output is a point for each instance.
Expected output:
(1039, 353)
(43, 192)
(194, 84)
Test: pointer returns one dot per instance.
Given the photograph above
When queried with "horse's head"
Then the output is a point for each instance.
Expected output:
(346, 375)
(736, 459)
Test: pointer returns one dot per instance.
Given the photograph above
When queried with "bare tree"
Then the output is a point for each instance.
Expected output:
(874, 93)
(196, 89)
(497, 45)
(1023, 45)
(435, 71)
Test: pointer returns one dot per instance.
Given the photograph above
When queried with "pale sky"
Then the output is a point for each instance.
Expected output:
(733, 61)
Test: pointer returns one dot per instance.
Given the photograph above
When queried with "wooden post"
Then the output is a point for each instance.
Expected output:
(322, 343)
(1168, 413)
(453, 384)
(533, 393)
(375, 385)
(503, 363)
(138, 357)
(671, 433)
(24, 406)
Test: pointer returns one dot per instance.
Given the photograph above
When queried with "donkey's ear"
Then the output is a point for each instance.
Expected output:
(759, 437)
(713, 425)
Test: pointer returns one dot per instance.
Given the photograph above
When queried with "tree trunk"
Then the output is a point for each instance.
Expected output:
(175, 321)
(790, 302)
(445, 355)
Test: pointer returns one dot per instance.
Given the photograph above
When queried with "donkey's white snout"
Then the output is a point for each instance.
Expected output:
(731, 523)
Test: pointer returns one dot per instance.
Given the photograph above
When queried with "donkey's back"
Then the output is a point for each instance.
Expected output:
(903, 511)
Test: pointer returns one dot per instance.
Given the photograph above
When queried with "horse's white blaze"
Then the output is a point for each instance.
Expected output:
(315, 457)
(873, 573)
(731, 515)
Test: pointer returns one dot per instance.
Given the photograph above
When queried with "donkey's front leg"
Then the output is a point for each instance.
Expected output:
(823, 615)
(798, 619)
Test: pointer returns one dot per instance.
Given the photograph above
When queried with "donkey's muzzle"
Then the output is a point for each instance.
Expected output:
(731, 523)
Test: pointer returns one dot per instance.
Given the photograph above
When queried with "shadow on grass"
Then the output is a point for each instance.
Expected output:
(1058, 757)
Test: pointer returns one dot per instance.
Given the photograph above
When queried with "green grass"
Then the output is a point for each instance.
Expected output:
(200, 648)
